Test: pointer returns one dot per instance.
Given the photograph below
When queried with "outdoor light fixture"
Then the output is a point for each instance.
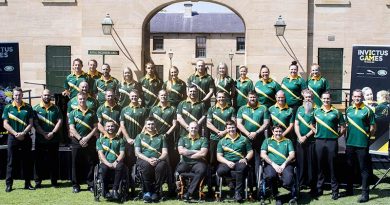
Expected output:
(170, 55)
(231, 54)
(280, 26)
(107, 25)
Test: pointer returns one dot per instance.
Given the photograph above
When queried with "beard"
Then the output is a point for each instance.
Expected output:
(308, 107)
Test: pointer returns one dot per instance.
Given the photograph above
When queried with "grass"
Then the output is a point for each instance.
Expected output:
(64, 195)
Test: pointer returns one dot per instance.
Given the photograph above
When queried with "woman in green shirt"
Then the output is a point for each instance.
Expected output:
(317, 84)
(175, 87)
(243, 86)
(266, 87)
(292, 86)
(126, 86)
(225, 83)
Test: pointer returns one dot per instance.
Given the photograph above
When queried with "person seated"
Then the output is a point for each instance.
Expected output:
(278, 152)
(111, 151)
(151, 151)
(233, 153)
(193, 150)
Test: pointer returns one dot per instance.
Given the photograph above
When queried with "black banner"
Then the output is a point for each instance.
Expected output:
(9, 65)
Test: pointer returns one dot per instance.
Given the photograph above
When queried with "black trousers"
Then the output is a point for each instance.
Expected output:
(256, 145)
(199, 170)
(326, 151)
(213, 153)
(152, 177)
(307, 164)
(239, 172)
(19, 151)
(46, 158)
(361, 155)
(106, 171)
(173, 158)
(84, 160)
(272, 177)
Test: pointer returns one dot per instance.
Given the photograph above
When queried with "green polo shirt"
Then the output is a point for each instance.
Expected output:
(190, 111)
(164, 117)
(192, 144)
(277, 151)
(266, 91)
(318, 86)
(107, 113)
(47, 118)
(73, 81)
(150, 145)
(243, 86)
(73, 104)
(328, 122)
(225, 85)
(124, 92)
(203, 83)
(283, 116)
(94, 76)
(234, 149)
(359, 119)
(18, 117)
(102, 85)
(382, 110)
(150, 88)
(253, 118)
(292, 88)
(111, 147)
(218, 116)
(304, 121)
(83, 121)
(134, 119)
(176, 91)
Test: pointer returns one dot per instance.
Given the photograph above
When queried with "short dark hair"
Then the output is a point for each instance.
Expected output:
(252, 92)
(230, 122)
(17, 89)
(79, 60)
(150, 119)
(277, 126)
(93, 60)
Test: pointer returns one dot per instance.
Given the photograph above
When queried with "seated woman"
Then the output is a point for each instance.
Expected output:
(151, 151)
(111, 150)
(234, 152)
(278, 152)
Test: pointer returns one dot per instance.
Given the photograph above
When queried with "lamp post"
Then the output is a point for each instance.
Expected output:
(280, 27)
(107, 25)
(170, 55)
(231, 54)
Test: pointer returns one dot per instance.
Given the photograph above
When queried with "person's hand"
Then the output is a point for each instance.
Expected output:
(130, 141)
(49, 135)
(252, 135)
(282, 167)
(114, 164)
(276, 167)
(243, 161)
(153, 161)
(20, 136)
(66, 93)
(302, 139)
(231, 164)
(83, 142)
(221, 134)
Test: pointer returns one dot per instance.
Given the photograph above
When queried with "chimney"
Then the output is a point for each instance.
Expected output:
(187, 10)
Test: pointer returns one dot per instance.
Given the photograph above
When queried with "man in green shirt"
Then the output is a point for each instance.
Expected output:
(361, 125)
(190, 110)
(92, 103)
(93, 73)
(82, 127)
(327, 119)
(105, 82)
(18, 121)
(193, 150)
(278, 152)
(234, 153)
(151, 84)
(151, 151)
(282, 114)
(74, 79)
(111, 151)
(109, 111)
(48, 122)
(203, 82)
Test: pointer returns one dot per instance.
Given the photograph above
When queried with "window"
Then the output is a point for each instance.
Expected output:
(200, 47)
(160, 71)
(240, 44)
(158, 43)
(58, 64)
(331, 62)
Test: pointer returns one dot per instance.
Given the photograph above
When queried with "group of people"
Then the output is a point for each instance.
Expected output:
(171, 127)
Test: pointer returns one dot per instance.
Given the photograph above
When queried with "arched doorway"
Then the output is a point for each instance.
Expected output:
(181, 37)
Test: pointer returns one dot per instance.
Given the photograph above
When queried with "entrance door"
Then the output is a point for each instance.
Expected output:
(58, 66)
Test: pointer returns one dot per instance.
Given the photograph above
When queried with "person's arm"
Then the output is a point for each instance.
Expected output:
(85, 139)
(56, 129)
(248, 157)
(214, 129)
(73, 131)
(172, 128)
(101, 127)
(103, 159)
(121, 156)
(263, 126)
(125, 134)
(184, 151)
(38, 128)
(209, 94)
(9, 128)
(164, 154)
(200, 154)
(200, 121)
(291, 156)
(139, 154)
(288, 130)
(242, 128)
(223, 160)
(181, 121)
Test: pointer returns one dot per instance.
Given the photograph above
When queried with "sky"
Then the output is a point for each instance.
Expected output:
(200, 7)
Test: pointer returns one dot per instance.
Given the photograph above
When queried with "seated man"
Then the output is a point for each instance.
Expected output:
(111, 150)
(151, 151)
(278, 151)
(193, 150)
(234, 152)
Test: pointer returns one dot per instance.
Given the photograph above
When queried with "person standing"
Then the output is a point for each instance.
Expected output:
(175, 87)
(109, 111)
(128, 84)
(361, 125)
(93, 73)
(225, 83)
(203, 82)
(151, 84)
(74, 79)
(48, 122)
(243, 86)
(92, 103)
(83, 126)
(266, 87)
(104, 83)
(292, 86)
(18, 120)
(282, 114)
(317, 84)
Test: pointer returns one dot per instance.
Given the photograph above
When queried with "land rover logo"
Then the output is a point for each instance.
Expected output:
(382, 72)
(9, 68)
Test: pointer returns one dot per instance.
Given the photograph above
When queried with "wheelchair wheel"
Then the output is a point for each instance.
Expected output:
(124, 187)
(97, 184)
(293, 202)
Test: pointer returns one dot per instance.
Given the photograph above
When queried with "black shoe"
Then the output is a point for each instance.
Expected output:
(187, 197)
(38, 185)
(363, 198)
(76, 189)
(107, 195)
(53, 183)
(319, 193)
(238, 197)
(155, 197)
(29, 187)
(8, 188)
(349, 192)
(90, 188)
(115, 194)
(335, 195)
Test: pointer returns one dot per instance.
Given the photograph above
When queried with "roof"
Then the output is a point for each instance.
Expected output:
(198, 23)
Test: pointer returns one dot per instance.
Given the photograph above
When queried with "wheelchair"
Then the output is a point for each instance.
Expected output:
(248, 188)
(183, 180)
(265, 190)
(98, 184)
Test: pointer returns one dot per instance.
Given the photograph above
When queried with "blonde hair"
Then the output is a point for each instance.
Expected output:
(383, 96)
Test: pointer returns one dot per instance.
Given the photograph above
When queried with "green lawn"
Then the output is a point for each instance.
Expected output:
(64, 195)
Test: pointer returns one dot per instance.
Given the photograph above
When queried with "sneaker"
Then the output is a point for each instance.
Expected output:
(335, 195)
(147, 197)
(363, 198)
(155, 197)
(238, 197)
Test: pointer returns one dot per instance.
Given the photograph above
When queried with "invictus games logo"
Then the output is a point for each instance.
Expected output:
(372, 56)
(4, 50)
